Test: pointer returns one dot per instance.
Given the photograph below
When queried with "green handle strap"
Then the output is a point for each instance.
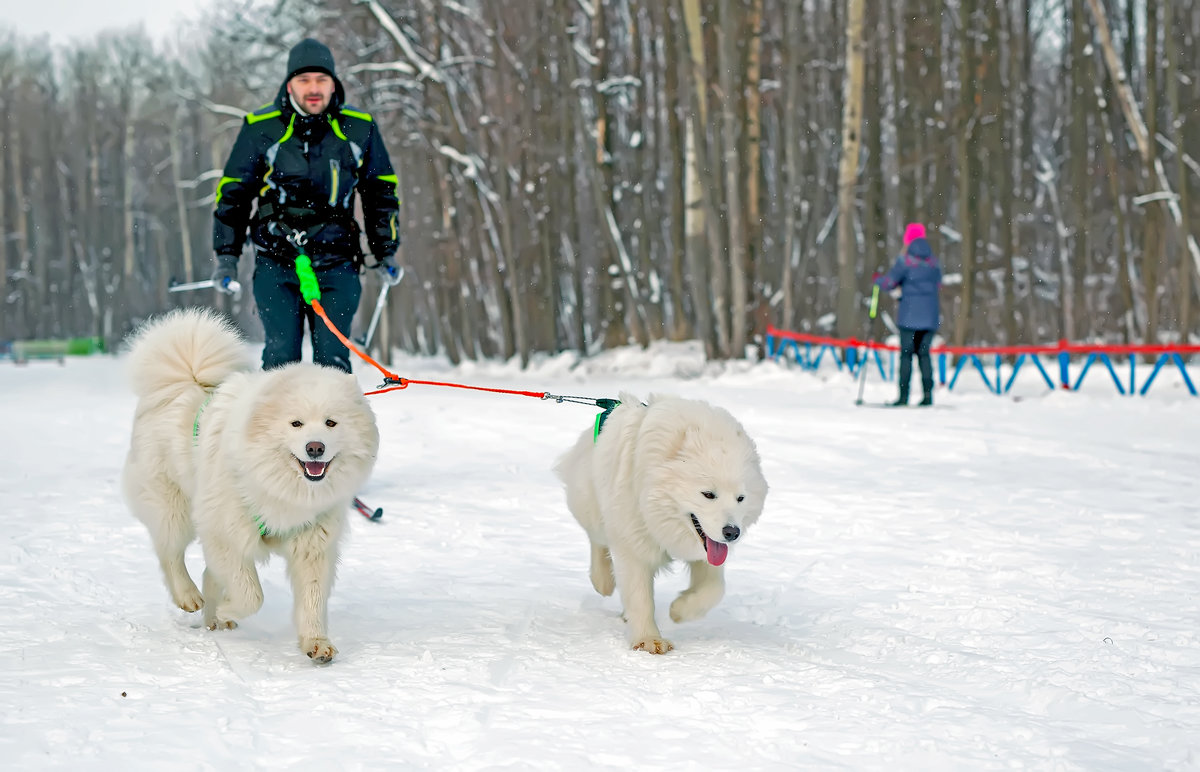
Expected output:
(309, 289)
(874, 299)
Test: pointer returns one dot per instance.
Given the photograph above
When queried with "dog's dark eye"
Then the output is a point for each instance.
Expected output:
(330, 423)
(708, 494)
(741, 499)
(297, 424)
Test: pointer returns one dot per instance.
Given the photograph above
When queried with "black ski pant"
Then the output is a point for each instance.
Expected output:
(915, 342)
(283, 311)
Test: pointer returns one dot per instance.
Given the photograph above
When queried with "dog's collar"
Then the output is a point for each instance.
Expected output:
(266, 532)
(263, 530)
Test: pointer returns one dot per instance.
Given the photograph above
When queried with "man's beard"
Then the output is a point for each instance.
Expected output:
(301, 106)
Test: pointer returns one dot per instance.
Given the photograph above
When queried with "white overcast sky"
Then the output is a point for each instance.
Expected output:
(65, 20)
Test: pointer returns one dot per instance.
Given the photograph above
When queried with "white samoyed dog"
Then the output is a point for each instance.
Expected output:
(250, 462)
(675, 479)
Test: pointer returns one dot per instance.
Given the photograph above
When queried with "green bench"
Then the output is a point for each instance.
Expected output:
(55, 348)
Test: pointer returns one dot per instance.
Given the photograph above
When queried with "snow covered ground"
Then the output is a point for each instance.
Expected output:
(993, 584)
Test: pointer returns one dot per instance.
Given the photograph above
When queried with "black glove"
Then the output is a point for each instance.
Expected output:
(389, 271)
(224, 276)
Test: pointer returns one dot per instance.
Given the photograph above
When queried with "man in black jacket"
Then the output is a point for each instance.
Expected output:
(302, 158)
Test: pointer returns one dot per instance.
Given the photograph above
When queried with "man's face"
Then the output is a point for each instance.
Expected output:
(312, 91)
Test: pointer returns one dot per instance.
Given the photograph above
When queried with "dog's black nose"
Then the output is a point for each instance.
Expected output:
(315, 449)
(731, 532)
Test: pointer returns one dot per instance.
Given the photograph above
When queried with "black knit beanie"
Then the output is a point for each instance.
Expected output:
(310, 56)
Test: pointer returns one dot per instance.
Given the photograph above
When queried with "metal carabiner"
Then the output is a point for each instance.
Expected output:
(298, 239)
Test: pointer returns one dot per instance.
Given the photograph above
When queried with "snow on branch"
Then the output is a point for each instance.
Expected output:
(236, 112)
(585, 54)
(471, 169)
(211, 106)
(468, 164)
(407, 69)
(458, 8)
(1186, 159)
(423, 68)
(1161, 195)
(612, 84)
(195, 182)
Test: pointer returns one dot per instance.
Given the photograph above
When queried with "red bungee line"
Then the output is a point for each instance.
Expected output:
(406, 382)
(398, 382)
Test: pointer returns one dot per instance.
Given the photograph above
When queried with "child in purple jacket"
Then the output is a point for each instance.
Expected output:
(919, 277)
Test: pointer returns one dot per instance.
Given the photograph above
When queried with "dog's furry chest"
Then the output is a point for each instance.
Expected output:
(274, 532)
(639, 543)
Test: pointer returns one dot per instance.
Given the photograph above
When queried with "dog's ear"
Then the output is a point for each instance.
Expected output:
(681, 439)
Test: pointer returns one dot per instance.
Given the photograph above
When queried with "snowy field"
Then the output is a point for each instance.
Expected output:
(991, 584)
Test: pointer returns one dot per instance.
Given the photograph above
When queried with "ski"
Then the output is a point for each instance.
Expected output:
(367, 512)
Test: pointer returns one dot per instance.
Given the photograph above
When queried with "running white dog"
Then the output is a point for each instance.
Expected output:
(251, 462)
(676, 479)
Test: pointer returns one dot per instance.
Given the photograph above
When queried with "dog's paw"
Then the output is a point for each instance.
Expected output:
(190, 600)
(601, 571)
(241, 607)
(318, 649)
(692, 605)
(222, 624)
(602, 580)
(653, 645)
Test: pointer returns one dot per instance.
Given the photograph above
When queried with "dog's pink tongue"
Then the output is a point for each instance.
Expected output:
(717, 551)
(314, 468)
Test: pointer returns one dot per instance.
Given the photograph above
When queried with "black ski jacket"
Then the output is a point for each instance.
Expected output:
(303, 171)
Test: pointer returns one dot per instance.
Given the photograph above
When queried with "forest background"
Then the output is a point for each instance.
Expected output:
(582, 174)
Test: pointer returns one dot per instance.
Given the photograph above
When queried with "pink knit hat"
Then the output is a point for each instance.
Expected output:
(914, 231)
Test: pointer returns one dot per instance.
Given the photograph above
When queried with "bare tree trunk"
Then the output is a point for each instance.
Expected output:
(967, 182)
(626, 317)
(20, 236)
(5, 141)
(127, 226)
(1120, 78)
(511, 258)
(1079, 177)
(847, 295)
(735, 213)
(1009, 180)
(874, 194)
(1130, 325)
(675, 151)
(792, 195)
(1152, 235)
(39, 252)
(1187, 273)
(181, 209)
(710, 318)
(1026, 241)
(753, 173)
(1141, 134)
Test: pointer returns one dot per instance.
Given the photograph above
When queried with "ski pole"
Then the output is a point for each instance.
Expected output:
(379, 304)
(230, 284)
(862, 368)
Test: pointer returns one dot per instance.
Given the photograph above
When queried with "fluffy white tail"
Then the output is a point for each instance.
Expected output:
(187, 347)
